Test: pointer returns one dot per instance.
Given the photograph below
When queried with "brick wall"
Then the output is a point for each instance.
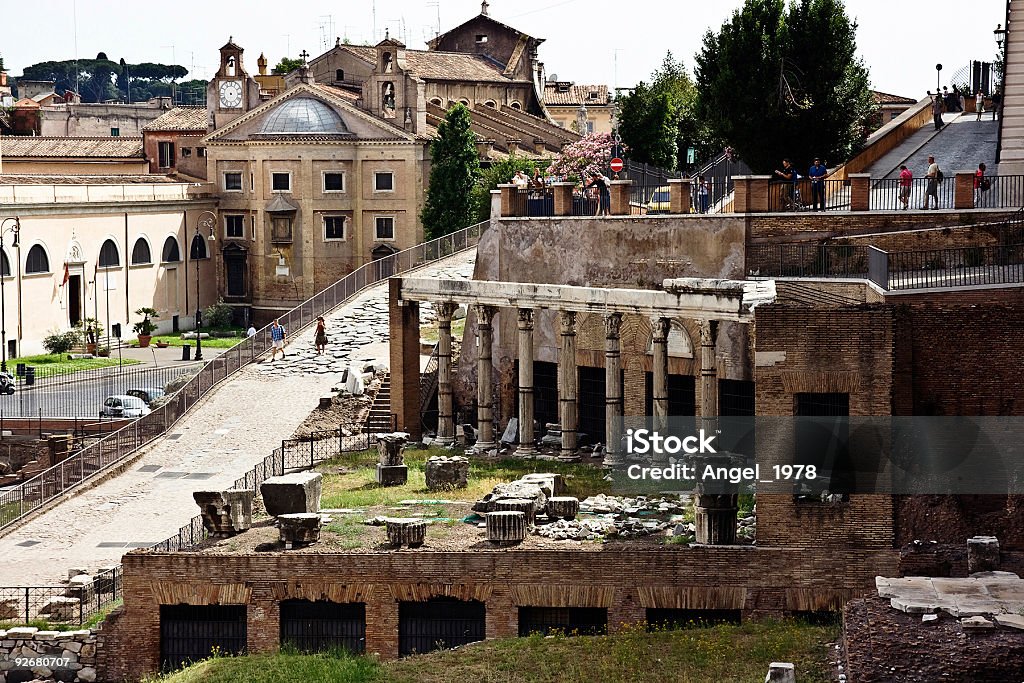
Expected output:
(626, 580)
(817, 227)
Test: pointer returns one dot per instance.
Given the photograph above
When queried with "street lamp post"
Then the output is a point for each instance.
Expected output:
(15, 230)
(207, 220)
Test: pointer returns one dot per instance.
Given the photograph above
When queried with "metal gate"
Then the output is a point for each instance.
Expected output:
(735, 398)
(682, 395)
(573, 621)
(190, 633)
(438, 624)
(591, 404)
(318, 626)
(545, 393)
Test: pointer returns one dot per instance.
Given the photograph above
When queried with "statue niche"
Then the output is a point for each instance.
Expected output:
(387, 100)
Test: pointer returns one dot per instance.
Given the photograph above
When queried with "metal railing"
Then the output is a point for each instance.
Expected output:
(649, 183)
(961, 267)
(24, 604)
(1003, 191)
(540, 202)
(807, 260)
(800, 196)
(890, 194)
(100, 457)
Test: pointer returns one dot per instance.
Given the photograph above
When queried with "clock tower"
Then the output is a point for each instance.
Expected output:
(232, 92)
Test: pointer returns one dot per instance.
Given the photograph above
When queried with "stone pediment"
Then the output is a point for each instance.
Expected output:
(308, 112)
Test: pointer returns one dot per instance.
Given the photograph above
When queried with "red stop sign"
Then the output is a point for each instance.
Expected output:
(615, 165)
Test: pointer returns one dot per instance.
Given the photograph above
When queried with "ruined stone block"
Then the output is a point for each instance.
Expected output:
(446, 473)
(10, 609)
(60, 609)
(392, 475)
(780, 672)
(563, 507)
(410, 532)
(982, 554)
(390, 448)
(299, 529)
(81, 587)
(292, 493)
(225, 513)
(523, 505)
(506, 527)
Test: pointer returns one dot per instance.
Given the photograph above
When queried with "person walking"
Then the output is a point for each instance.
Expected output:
(321, 335)
(906, 182)
(997, 99)
(251, 332)
(702, 194)
(937, 111)
(277, 335)
(979, 104)
(981, 185)
(817, 175)
(933, 176)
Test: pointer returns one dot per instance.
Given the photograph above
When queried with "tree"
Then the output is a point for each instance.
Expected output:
(497, 173)
(287, 65)
(590, 153)
(101, 79)
(453, 172)
(778, 83)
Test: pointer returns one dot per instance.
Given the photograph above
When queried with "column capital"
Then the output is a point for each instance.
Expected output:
(445, 309)
(612, 325)
(484, 313)
(567, 322)
(660, 328)
(524, 317)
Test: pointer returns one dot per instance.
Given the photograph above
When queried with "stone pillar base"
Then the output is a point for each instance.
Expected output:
(392, 475)
(715, 518)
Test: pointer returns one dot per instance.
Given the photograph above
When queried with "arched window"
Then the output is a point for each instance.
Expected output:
(108, 255)
(491, 103)
(171, 254)
(198, 249)
(436, 101)
(5, 264)
(517, 106)
(140, 253)
(37, 260)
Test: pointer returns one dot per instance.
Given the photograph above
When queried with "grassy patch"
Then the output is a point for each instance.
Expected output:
(211, 342)
(51, 364)
(429, 332)
(355, 487)
(724, 654)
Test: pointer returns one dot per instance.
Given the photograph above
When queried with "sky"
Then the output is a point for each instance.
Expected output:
(587, 41)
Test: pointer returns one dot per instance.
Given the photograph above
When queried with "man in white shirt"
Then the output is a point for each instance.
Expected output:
(520, 180)
(933, 183)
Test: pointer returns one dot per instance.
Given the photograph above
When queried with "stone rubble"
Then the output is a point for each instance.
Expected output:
(70, 655)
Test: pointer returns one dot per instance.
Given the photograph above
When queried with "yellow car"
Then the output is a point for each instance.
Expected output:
(659, 201)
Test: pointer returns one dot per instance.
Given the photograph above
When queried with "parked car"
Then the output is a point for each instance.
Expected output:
(124, 406)
(148, 395)
(659, 201)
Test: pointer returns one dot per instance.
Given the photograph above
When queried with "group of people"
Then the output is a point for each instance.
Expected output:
(278, 333)
(947, 101)
(933, 176)
(593, 180)
(816, 173)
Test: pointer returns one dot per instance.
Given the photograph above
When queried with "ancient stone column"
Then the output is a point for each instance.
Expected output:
(484, 384)
(445, 419)
(659, 390)
(613, 390)
(567, 407)
(708, 376)
(526, 448)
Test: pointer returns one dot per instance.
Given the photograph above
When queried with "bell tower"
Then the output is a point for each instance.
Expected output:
(230, 92)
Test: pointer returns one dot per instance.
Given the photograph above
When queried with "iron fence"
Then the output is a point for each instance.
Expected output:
(961, 267)
(540, 202)
(650, 186)
(892, 194)
(69, 605)
(807, 260)
(1003, 191)
(34, 493)
(800, 196)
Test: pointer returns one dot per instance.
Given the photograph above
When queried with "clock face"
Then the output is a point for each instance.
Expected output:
(230, 94)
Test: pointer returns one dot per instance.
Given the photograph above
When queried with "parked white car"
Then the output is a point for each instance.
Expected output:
(124, 406)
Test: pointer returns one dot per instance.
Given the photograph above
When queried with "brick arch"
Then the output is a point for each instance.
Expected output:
(636, 332)
(590, 331)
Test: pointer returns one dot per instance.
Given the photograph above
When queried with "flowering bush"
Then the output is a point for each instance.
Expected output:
(591, 153)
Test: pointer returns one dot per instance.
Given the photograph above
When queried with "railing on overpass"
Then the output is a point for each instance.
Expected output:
(99, 458)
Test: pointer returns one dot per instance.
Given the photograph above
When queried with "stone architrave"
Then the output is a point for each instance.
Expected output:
(484, 380)
(613, 390)
(292, 493)
(526, 436)
(445, 415)
(225, 513)
(659, 339)
(568, 415)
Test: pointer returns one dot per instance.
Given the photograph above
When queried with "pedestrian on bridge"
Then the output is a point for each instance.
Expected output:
(979, 104)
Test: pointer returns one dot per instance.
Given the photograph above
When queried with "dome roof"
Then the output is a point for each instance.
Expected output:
(304, 116)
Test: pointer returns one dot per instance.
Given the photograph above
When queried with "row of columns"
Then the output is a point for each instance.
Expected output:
(568, 413)
(715, 513)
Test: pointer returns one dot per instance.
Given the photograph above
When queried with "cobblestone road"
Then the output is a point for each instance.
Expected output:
(235, 427)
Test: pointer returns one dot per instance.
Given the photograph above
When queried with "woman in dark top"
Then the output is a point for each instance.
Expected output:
(321, 335)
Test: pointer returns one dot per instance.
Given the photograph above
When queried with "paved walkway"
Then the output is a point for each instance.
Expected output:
(961, 145)
(235, 427)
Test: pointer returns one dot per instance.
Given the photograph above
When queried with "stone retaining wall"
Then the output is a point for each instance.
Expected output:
(68, 656)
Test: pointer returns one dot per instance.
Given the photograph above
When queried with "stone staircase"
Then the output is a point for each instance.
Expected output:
(379, 418)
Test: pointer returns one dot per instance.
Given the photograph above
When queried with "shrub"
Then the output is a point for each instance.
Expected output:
(218, 315)
(61, 342)
(145, 327)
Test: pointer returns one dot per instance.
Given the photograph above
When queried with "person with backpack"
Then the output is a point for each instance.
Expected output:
(981, 185)
(934, 177)
(604, 192)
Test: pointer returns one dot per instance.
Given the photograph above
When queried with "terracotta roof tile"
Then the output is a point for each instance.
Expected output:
(575, 95)
(180, 118)
(8, 179)
(442, 66)
(886, 98)
(75, 148)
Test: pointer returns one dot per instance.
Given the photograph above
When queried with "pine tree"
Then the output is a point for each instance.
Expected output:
(453, 172)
